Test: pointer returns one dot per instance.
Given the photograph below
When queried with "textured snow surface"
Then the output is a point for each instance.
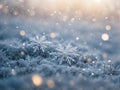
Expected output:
(72, 63)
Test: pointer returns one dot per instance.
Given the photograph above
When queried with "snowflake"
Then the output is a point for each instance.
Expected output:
(39, 43)
(66, 53)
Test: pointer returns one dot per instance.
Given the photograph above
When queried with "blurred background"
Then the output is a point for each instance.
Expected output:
(84, 9)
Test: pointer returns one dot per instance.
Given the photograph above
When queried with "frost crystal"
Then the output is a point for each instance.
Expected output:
(66, 54)
(39, 43)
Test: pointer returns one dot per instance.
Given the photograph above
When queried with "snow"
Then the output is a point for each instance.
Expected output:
(65, 52)
(64, 57)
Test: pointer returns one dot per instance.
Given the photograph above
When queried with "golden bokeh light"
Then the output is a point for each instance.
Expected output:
(108, 27)
(53, 35)
(37, 80)
(1, 6)
(50, 83)
(105, 37)
(22, 32)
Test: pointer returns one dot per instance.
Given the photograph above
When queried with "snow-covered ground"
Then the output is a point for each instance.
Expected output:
(59, 53)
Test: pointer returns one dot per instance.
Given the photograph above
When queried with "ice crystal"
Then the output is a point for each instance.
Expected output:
(66, 54)
(39, 43)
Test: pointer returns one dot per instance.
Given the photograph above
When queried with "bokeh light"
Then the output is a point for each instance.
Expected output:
(50, 83)
(108, 27)
(53, 35)
(22, 32)
(105, 37)
(37, 80)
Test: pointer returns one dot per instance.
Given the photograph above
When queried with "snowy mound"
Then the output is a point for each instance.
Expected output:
(63, 65)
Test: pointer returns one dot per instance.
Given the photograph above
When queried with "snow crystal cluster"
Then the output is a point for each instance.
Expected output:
(39, 54)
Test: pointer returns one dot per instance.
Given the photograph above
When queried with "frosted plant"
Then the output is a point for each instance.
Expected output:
(66, 54)
(39, 43)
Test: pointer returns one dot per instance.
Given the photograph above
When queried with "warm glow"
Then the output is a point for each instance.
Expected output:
(50, 83)
(98, 1)
(95, 7)
(105, 37)
(53, 35)
(22, 32)
(37, 80)
(108, 27)
(1, 6)
(69, 3)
